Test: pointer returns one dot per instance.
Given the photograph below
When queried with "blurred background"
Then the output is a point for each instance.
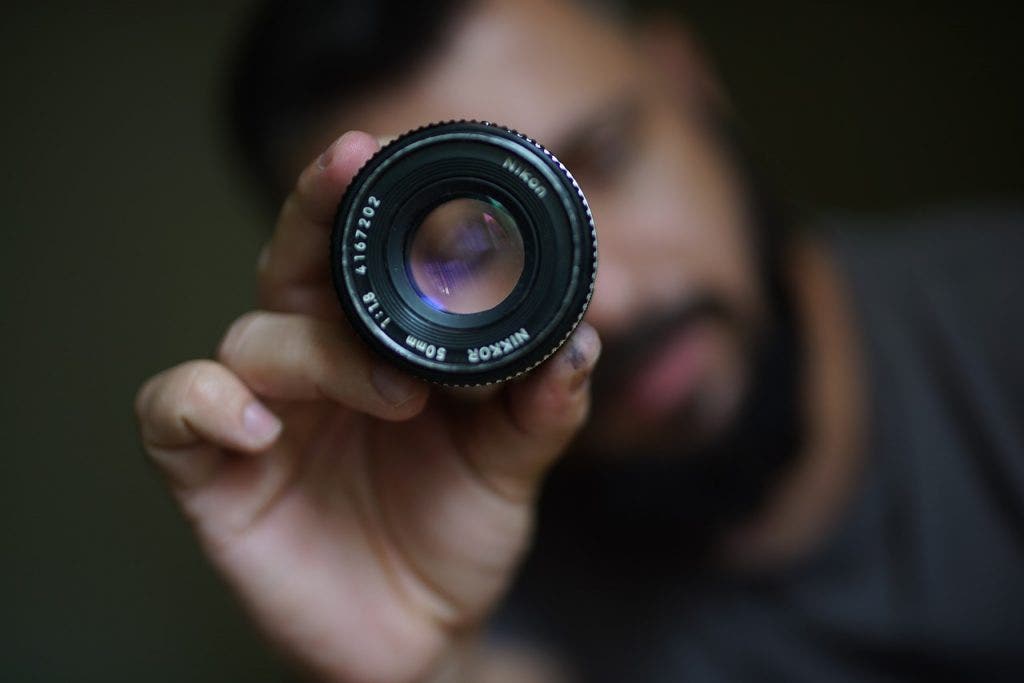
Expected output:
(130, 240)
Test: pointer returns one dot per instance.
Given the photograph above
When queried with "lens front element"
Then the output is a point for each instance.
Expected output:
(466, 256)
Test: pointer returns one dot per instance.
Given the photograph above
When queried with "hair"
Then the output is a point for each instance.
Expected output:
(299, 58)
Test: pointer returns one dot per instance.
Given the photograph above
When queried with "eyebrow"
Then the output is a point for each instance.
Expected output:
(617, 111)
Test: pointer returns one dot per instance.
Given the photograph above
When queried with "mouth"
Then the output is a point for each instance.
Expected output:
(671, 374)
(665, 383)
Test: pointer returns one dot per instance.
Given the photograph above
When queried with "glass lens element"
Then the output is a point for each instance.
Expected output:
(466, 256)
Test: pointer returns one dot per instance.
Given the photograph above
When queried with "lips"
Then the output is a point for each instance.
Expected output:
(654, 382)
(671, 375)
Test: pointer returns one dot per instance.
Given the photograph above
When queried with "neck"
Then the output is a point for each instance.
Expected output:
(809, 500)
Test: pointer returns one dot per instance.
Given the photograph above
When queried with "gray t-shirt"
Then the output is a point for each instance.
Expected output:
(923, 578)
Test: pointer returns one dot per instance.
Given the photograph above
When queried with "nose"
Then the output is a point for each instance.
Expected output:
(613, 304)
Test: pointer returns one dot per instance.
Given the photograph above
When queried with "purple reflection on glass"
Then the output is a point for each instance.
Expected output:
(466, 256)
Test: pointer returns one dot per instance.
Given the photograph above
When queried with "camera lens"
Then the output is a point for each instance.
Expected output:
(464, 252)
(466, 256)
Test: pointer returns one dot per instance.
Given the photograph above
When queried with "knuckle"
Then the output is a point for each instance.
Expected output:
(338, 361)
(324, 362)
(304, 187)
(326, 345)
(144, 398)
(165, 397)
(289, 207)
(234, 339)
(202, 387)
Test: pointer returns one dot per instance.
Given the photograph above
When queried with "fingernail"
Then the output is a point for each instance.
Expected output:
(325, 159)
(261, 425)
(395, 387)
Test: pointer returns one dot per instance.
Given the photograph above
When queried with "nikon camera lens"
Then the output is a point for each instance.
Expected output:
(464, 252)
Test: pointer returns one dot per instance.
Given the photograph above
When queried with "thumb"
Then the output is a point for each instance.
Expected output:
(516, 437)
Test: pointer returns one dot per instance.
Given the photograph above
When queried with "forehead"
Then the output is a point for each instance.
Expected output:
(535, 65)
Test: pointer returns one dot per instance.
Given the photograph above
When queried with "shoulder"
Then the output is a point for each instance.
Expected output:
(953, 256)
(948, 280)
(981, 242)
(930, 235)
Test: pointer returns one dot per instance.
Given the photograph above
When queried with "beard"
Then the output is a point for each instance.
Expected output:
(672, 502)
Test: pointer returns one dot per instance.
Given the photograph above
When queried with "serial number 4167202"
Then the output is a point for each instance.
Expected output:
(363, 226)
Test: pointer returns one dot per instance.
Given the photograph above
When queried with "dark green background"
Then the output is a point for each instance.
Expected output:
(129, 244)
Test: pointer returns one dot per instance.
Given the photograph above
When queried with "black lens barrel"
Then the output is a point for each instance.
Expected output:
(399, 187)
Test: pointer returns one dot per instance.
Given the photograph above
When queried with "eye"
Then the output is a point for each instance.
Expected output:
(608, 151)
(613, 150)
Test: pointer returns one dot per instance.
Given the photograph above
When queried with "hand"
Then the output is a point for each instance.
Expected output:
(364, 521)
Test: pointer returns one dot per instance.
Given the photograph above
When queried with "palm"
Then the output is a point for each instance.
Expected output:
(344, 536)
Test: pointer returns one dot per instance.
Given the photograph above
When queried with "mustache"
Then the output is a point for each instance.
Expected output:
(623, 355)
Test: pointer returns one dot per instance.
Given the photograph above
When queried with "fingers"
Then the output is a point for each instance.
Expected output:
(296, 357)
(294, 270)
(189, 413)
(457, 504)
(515, 438)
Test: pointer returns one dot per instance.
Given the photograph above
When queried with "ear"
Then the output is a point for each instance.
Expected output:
(680, 61)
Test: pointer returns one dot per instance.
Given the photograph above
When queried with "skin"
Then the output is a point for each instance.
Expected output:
(369, 524)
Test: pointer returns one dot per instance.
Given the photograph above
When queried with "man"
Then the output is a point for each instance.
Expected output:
(803, 453)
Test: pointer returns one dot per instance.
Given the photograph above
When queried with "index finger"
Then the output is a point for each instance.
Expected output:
(294, 274)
